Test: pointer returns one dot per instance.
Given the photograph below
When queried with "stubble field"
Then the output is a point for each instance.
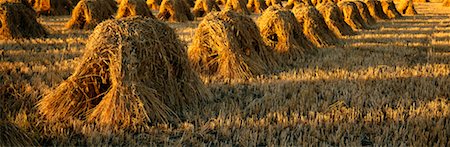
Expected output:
(386, 86)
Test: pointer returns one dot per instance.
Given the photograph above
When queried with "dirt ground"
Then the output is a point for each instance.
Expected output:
(385, 86)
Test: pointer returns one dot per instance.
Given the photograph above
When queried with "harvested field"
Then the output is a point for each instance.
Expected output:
(387, 86)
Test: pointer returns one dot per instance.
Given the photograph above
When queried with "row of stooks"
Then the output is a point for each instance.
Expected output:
(135, 71)
(177, 10)
(88, 13)
(64, 7)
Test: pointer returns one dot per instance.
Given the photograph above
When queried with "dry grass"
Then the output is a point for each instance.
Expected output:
(365, 13)
(88, 13)
(19, 21)
(11, 135)
(375, 9)
(237, 5)
(407, 7)
(279, 30)
(389, 9)
(190, 3)
(385, 87)
(175, 11)
(335, 19)
(24, 2)
(134, 72)
(153, 4)
(352, 16)
(297, 3)
(317, 2)
(274, 3)
(53, 7)
(203, 7)
(256, 6)
(314, 26)
(292, 3)
(221, 2)
(446, 3)
(228, 45)
(129, 8)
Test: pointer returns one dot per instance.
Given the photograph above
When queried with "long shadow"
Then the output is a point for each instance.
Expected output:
(422, 17)
(428, 21)
(364, 57)
(442, 38)
(70, 34)
(40, 45)
(420, 25)
(375, 92)
(342, 103)
(392, 31)
(391, 39)
(189, 24)
(356, 57)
